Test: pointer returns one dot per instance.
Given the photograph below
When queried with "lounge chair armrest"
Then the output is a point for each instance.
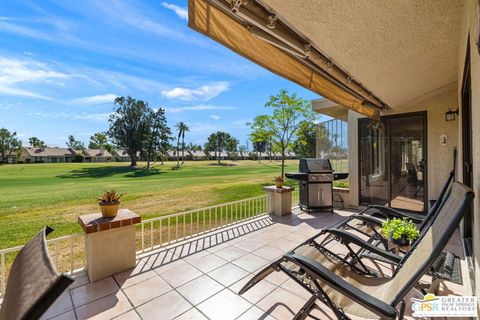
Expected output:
(323, 274)
(351, 238)
(367, 219)
(362, 217)
(392, 213)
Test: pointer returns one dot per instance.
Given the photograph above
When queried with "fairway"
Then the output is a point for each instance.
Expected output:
(35, 195)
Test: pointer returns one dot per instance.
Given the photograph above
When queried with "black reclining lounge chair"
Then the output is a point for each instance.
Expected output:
(33, 283)
(371, 219)
(348, 292)
(445, 267)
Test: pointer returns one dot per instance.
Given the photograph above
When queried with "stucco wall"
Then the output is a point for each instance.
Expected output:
(353, 178)
(440, 157)
(468, 28)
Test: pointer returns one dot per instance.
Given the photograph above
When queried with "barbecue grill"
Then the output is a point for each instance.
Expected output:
(316, 183)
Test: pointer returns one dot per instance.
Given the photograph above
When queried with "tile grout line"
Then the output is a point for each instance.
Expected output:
(94, 299)
(193, 306)
(128, 299)
(202, 273)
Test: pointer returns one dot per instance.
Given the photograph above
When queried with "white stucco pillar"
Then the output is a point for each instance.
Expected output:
(280, 200)
(109, 243)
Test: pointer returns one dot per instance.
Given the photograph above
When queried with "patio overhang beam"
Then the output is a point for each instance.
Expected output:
(257, 34)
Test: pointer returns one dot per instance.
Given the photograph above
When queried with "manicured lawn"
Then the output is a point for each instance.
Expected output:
(35, 195)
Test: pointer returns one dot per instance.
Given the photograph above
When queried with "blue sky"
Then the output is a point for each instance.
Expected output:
(63, 62)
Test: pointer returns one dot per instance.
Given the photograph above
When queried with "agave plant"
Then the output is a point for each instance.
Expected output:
(110, 197)
(278, 179)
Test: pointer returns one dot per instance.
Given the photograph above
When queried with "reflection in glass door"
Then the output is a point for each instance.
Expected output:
(393, 161)
(407, 162)
(373, 165)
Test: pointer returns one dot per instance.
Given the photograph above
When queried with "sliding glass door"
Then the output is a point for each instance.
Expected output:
(392, 155)
(373, 162)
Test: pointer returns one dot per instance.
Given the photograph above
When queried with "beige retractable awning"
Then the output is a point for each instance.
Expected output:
(211, 19)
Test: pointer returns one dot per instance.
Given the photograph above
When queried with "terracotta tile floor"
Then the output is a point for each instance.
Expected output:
(199, 279)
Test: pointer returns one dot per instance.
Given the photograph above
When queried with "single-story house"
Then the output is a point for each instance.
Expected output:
(195, 154)
(97, 155)
(122, 155)
(291, 155)
(13, 158)
(171, 155)
(49, 155)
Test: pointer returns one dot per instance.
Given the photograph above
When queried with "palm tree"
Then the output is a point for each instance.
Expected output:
(35, 142)
(181, 128)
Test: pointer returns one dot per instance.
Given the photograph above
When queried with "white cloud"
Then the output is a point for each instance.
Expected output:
(136, 16)
(200, 107)
(205, 127)
(179, 11)
(6, 26)
(204, 93)
(34, 78)
(15, 74)
(100, 117)
(215, 117)
(98, 99)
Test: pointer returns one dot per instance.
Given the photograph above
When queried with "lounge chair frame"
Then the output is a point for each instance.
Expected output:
(33, 284)
(373, 223)
(309, 271)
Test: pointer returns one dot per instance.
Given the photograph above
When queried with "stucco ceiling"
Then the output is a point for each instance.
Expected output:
(400, 50)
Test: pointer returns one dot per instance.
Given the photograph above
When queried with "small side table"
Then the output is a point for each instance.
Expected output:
(280, 200)
(109, 243)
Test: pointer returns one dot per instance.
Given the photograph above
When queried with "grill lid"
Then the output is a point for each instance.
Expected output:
(315, 165)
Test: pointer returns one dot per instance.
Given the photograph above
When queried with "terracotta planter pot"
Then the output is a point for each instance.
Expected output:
(279, 184)
(109, 210)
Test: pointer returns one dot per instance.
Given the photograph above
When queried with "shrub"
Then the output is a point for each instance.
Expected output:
(396, 228)
(78, 158)
(341, 184)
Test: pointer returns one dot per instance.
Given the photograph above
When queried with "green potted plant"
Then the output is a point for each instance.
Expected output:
(109, 203)
(279, 182)
(401, 231)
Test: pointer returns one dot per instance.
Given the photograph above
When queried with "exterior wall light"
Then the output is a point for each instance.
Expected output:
(450, 115)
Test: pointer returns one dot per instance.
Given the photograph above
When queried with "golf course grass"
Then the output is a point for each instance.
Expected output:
(35, 195)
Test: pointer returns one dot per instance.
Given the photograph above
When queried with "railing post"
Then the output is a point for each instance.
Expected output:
(71, 255)
(161, 238)
(168, 228)
(184, 226)
(176, 228)
(143, 238)
(2, 280)
(56, 254)
(151, 234)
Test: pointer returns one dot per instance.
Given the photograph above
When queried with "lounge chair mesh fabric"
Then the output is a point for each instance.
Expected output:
(388, 290)
(33, 283)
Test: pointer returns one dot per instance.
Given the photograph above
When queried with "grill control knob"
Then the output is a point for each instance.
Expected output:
(314, 177)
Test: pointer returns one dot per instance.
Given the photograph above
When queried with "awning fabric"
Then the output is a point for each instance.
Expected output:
(221, 27)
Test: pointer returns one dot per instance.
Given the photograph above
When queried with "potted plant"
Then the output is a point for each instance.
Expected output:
(109, 203)
(401, 231)
(279, 182)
